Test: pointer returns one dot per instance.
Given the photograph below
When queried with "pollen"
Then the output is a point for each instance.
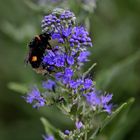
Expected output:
(34, 58)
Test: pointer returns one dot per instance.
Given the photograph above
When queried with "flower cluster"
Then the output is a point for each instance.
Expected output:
(69, 44)
(57, 20)
(72, 41)
(99, 101)
(36, 97)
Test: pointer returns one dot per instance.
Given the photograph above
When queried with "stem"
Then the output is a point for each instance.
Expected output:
(87, 72)
(85, 136)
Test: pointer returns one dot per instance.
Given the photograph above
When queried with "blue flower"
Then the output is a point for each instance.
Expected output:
(67, 132)
(50, 85)
(54, 21)
(61, 34)
(73, 41)
(68, 73)
(35, 96)
(56, 36)
(59, 75)
(59, 59)
(67, 15)
(88, 83)
(69, 44)
(95, 100)
(105, 103)
(49, 58)
(66, 32)
(108, 108)
(65, 77)
(83, 56)
(83, 84)
(70, 60)
(80, 37)
(106, 98)
(92, 99)
(79, 125)
(55, 58)
(76, 83)
(73, 84)
(48, 137)
(48, 23)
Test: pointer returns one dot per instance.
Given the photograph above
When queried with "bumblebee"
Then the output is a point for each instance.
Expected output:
(37, 48)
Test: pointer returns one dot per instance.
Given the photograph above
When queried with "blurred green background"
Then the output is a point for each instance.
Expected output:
(115, 30)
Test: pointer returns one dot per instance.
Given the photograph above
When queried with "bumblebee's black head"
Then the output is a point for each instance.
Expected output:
(37, 49)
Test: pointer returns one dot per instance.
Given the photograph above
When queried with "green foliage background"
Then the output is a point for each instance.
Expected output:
(115, 29)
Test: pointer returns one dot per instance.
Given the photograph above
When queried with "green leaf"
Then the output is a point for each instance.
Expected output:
(18, 34)
(49, 129)
(124, 123)
(105, 77)
(33, 6)
(21, 88)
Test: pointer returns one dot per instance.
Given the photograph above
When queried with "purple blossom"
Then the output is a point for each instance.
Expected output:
(95, 100)
(55, 58)
(48, 23)
(67, 132)
(84, 84)
(105, 103)
(59, 75)
(88, 83)
(106, 98)
(83, 56)
(53, 22)
(50, 68)
(68, 72)
(92, 99)
(63, 61)
(66, 32)
(79, 125)
(64, 77)
(108, 108)
(56, 36)
(80, 37)
(67, 75)
(70, 60)
(61, 40)
(66, 15)
(48, 137)
(75, 84)
(61, 34)
(35, 96)
(49, 58)
(59, 59)
(50, 85)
